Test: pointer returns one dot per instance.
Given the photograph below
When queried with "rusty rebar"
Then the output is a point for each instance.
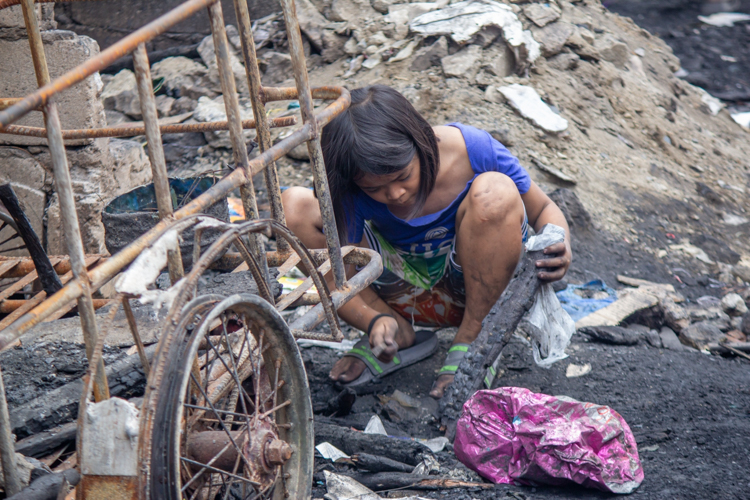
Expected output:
(104, 59)
(320, 179)
(107, 270)
(134, 130)
(7, 446)
(159, 175)
(239, 148)
(259, 111)
(64, 189)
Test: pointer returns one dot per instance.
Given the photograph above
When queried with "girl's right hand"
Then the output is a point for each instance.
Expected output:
(383, 338)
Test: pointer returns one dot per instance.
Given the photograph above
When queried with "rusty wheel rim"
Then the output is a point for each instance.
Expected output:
(238, 432)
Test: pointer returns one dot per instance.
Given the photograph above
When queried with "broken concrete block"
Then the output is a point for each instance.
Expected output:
(183, 77)
(613, 50)
(553, 37)
(18, 166)
(121, 94)
(527, 102)
(79, 106)
(209, 110)
(426, 57)
(89, 209)
(208, 56)
(541, 14)
(462, 20)
(12, 17)
(498, 60)
(733, 304)
(462, 64)
(130, 165)
(699, 335)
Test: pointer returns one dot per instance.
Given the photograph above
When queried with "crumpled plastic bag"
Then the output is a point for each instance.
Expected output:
(579, 307)
(511, 435)
(554, 326)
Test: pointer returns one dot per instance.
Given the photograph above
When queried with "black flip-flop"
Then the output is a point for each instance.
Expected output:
(425, 344)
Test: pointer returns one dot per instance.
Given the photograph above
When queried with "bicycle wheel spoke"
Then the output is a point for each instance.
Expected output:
(219, 471)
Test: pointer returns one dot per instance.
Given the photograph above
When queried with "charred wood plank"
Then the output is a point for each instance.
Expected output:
(48, 486)
(497, 329)
(47, 276)
(376, 463)
(45, 442)
(60, 405)
(395, 480)
(355, 442)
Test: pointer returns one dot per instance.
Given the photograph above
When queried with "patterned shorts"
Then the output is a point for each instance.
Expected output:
(433, 301)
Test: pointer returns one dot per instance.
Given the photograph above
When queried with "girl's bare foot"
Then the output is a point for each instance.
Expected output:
(441, 383)
(386, 338)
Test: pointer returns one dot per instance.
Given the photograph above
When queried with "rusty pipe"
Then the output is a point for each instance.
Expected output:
(239, 149)
(134, 130)
(7, 306)
(159, 175)
(252, 72)
(107, 270)
(320, 177)
(104, 59)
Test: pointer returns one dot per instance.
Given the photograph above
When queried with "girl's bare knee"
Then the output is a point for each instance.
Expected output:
(493, 197)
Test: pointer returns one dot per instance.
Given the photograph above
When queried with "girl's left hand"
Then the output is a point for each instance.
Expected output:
(557, 266)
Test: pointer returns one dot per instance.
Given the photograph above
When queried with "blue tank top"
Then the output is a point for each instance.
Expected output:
(430, 234)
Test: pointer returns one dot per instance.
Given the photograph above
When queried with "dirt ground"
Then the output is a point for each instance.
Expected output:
(688, 411)
(715, 58)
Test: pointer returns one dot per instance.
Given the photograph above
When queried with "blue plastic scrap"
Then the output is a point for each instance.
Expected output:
(579, 307)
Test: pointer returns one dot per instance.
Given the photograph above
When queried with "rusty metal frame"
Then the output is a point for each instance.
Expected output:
(245, 236)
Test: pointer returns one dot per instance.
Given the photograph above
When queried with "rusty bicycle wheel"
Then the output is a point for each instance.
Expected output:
(233, 414)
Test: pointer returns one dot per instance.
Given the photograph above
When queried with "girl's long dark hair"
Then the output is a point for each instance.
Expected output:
(378, 134)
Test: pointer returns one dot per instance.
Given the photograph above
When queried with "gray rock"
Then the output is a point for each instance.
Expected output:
(553, 37)
(121, 94)
(613, 50)
(382, 5)
(278, 67)
(164, 105)
(745, 325)
(669, 339)
(299, 153)
(742, 272)
(564, 62)
(209, 110)
(654, 339)
(183, 77)
(498, 60)
(208, 56)
(426, 57)
(333, 46)
(183, 105)
(542, 14)
(698, 335)
(733, 304)
(463, 64)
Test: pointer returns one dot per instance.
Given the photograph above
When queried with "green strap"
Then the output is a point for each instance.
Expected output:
(367, 354)
(459, 347)
(455, 354)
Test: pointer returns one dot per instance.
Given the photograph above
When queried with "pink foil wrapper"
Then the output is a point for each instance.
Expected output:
(512, 435)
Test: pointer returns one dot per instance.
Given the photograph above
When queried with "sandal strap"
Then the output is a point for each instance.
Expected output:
(456, 354)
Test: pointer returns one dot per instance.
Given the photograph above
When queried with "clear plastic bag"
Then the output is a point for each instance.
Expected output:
(554, 326)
